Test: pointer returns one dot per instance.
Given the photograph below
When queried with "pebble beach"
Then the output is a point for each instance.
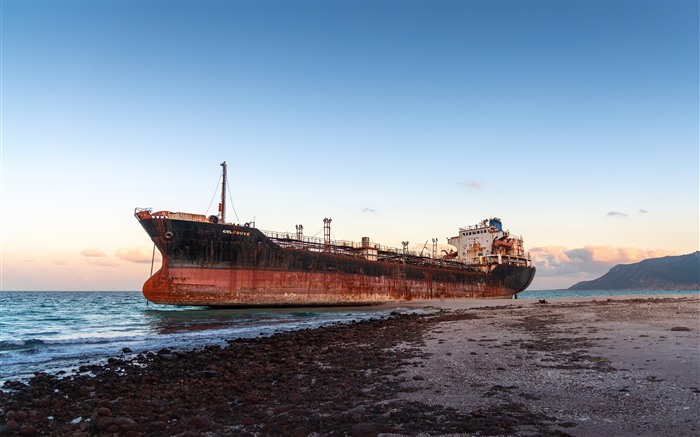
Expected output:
(581, 367)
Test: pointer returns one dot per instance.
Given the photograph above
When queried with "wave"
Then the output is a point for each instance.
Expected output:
(305, 314)
(9, 345)
(181, 335)
(184, 331)
(15, 345)
(26, 349)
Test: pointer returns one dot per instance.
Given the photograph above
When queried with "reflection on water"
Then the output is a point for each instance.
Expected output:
(189, 319)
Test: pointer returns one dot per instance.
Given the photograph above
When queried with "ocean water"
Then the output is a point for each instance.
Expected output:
(56, 331)
(552, 294)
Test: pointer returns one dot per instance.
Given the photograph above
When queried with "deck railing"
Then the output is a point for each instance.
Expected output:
(291, 239)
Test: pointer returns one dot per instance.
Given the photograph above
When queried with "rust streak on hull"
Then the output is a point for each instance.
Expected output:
(190, 286)
(221, 264)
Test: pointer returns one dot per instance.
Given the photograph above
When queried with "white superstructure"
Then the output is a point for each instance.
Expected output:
(487, 243)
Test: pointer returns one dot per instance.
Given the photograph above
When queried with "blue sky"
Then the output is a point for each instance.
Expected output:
(575, 122)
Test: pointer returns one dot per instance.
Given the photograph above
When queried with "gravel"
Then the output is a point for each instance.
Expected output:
(610, 367)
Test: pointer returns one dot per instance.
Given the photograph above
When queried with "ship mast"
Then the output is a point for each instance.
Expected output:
(222, 205)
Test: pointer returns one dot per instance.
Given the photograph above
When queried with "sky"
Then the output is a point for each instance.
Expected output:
(575, 122)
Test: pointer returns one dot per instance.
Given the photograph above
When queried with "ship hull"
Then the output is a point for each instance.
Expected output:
(229, 265)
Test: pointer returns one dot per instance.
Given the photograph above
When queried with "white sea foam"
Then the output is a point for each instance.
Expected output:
(60, 331)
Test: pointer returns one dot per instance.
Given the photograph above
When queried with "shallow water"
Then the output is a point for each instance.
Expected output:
(57, 331)
(551, 294)
(54, 331)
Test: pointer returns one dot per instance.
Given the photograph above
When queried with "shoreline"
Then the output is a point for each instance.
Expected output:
(460, 304)
(571, 366)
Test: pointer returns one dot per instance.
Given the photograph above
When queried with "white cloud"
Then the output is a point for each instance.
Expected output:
(471, 183)
(93, 253)
(616, 214)
(587, 262)
(136, 254)
(96, 257)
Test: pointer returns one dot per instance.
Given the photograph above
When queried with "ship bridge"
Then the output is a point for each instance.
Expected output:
(486, 243)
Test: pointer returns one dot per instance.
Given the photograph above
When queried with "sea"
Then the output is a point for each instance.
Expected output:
(57, 332)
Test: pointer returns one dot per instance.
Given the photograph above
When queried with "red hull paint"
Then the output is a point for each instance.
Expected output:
(253, 287)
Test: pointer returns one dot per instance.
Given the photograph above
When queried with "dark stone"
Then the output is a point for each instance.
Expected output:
(159, 425)
(366, 429)
(14, 385)
(199, 422)
(125, 423)
(300, 432)
(252, 398)
(283, 409)
(105, 422)
(205, 374)
(296, 398)
(43, 403)
(27, 430)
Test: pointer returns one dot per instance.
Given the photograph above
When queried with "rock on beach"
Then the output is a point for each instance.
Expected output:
(571, 367)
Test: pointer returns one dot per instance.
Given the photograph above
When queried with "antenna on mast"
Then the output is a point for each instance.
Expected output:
(222, 205)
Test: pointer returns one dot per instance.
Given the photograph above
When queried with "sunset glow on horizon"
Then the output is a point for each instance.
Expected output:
(576, 123)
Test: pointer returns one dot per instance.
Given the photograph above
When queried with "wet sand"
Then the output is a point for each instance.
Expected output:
(586, 366)
(593, 366)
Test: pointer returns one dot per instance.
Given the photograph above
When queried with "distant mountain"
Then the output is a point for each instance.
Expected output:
(667, 273)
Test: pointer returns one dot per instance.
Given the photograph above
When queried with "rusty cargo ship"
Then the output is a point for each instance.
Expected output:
(207, 261)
